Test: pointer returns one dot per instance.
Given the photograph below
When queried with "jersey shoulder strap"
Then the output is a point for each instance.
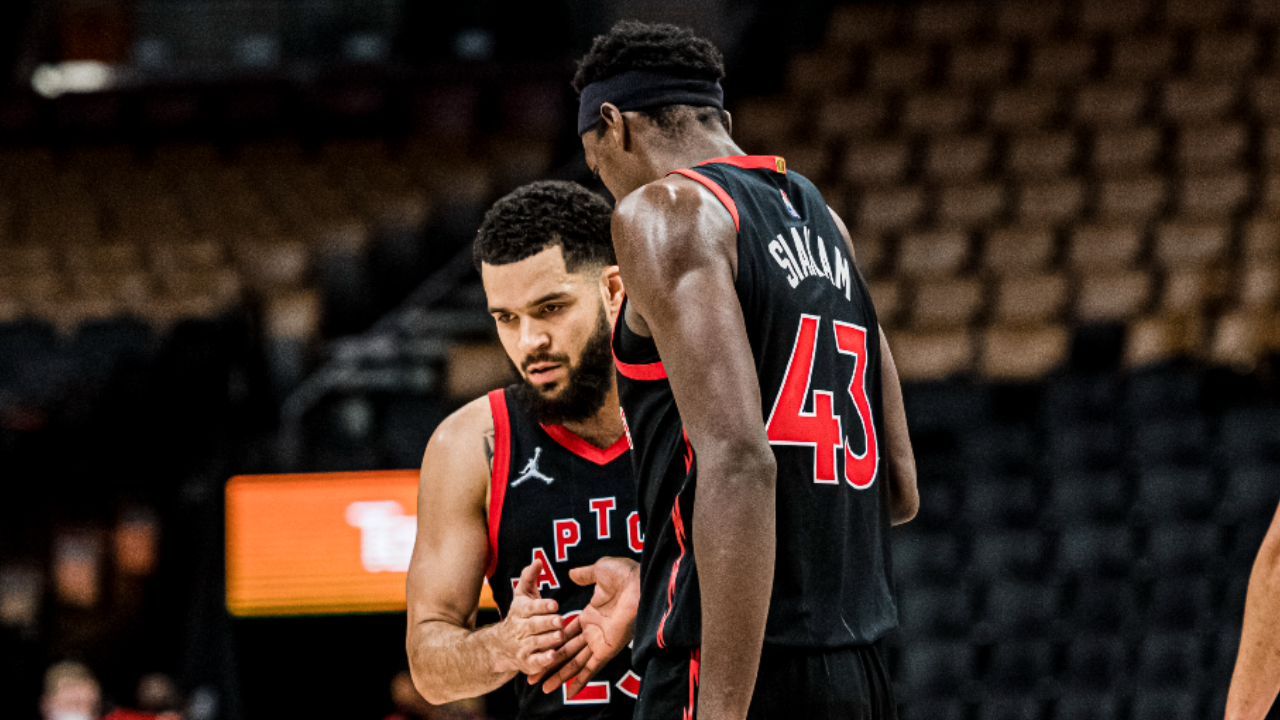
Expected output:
(500, 472)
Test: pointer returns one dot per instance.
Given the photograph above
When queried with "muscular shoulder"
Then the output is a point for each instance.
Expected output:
(673, 219)
(465, 425)
(460, 451)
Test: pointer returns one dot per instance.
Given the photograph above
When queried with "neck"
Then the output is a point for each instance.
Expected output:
(604, 427)
(663, 158)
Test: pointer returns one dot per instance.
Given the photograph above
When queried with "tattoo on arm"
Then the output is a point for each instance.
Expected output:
(489, 442)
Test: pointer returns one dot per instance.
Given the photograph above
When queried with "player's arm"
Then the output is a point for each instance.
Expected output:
(1256, 679)
(904, 495)
(677, 249)
(448, 657)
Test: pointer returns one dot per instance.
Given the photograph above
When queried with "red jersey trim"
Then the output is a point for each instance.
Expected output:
(751, 162)
(584, 449)
(715, 189)
(647, 371)
(678, 522)
(501, 468)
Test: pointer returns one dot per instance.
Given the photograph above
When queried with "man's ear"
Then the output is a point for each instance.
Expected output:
(728, 122)
(615, 125)
(611, 289)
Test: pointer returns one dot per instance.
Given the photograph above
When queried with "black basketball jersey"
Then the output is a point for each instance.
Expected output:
(559, 499)
(816, 343)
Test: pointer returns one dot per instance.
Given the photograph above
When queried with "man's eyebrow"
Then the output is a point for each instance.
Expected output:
(544, 299)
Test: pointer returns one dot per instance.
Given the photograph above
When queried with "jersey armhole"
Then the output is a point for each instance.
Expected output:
(715, 189)
(634, 371)
(498, 476)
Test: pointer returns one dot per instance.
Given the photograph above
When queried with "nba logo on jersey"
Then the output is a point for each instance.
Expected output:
(790, 208)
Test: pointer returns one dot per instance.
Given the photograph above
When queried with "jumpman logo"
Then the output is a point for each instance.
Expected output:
(531, 470)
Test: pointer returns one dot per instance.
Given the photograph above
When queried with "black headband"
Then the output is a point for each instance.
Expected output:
(640, 90)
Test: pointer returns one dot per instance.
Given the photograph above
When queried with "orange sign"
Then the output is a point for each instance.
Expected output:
(321, 543)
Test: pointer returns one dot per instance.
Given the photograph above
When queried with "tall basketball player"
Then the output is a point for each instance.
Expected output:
(766, 416)
(1256, 679)
(529, 481)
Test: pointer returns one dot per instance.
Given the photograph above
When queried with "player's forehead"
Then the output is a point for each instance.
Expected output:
(531, 281)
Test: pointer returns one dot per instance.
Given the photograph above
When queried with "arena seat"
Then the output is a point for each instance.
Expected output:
(851, 116)
(939, 612)
(889, 299)
(1103, 17)
(1041, 154)
(1099, 706)
(1010, 708)
(880, 162)
(1169, 440)
(934, 710)
(1080, 497)
(1165, 705)
(1169, 660)
(937, 21)
(1192, 244)
(933, 354)
(1115, 104)
(1190, 100)
(1112, 296)
(1106, 606)
(898, 68)
(931, 670)
(1062, 61)
(1102, 550)
(1142, 57)
(933, 254)
(1250, 486)
(1174, 493)
(947, 302)
(1130, 150)
(1012, 252)
(1079, 396)
(1094, 664)
(1159, 339)
(1178, 603)
(1104, 247)
(1018, 611)
(890, 209)
(1227, 54)
(958, 157)
(1016, 554)
(851, 26)
(1029, 19)
(980, 65)
(1209, 146)
(1258, 285)
(1050, 202)
(937, 111)
(1242, 338)
(1023, 107)
(1264, 96)
(1021, 354)
(1133, 199)
(1212, 195)
(926, 558)
(1162, 389)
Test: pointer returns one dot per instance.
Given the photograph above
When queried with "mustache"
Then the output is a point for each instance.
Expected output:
(559, 358)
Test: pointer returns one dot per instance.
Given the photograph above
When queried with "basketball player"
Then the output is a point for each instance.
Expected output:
(523, 484)
(1256, 679)
(764, 408)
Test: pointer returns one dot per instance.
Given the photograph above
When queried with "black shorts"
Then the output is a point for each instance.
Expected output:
(843, 684)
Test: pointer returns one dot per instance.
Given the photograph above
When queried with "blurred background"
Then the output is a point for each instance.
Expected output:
(235, 238)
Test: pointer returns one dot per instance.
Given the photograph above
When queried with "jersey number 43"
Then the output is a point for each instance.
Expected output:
(820, 428)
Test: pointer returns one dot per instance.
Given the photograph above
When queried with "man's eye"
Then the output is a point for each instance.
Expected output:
(505, 318)
(548, 309)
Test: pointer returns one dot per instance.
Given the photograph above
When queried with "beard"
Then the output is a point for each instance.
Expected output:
(586, 386)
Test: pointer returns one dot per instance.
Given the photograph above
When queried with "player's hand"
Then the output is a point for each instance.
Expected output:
(604, 628)
(531, 632)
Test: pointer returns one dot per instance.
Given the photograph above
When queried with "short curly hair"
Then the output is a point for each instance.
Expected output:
(542, 214)
(654, 47)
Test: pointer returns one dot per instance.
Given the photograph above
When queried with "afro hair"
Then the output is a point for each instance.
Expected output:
(542, 214)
